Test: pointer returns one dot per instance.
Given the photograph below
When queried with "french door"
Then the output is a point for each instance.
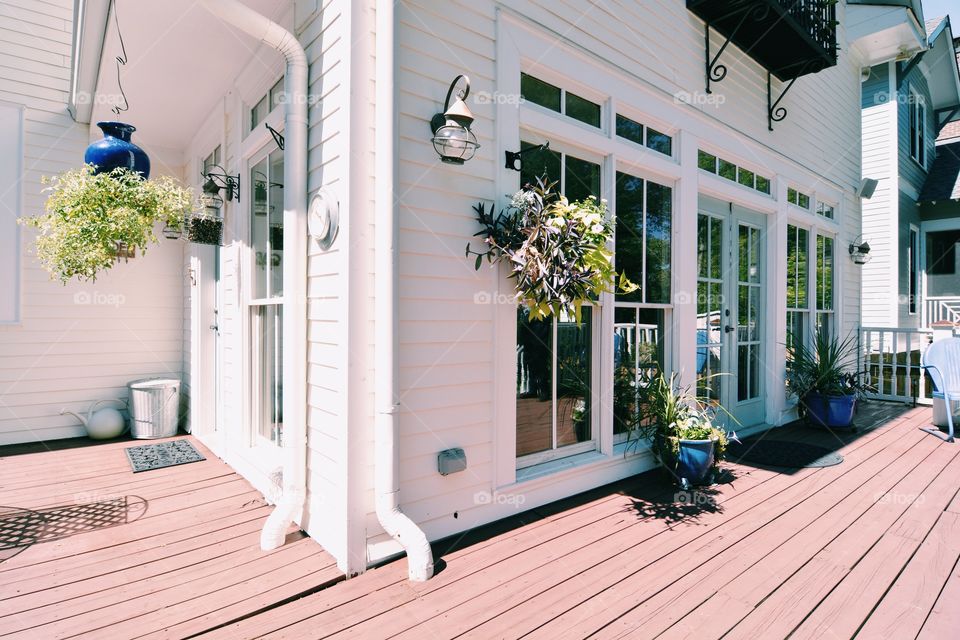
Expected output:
(730, 309)
(265, 298)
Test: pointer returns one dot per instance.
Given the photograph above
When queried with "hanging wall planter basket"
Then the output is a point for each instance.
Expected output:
(116, 151)
(205, 230)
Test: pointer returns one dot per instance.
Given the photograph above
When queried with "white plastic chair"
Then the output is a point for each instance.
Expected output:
(942, 361)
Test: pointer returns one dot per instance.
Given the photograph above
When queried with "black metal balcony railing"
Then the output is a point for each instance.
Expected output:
(790, 38)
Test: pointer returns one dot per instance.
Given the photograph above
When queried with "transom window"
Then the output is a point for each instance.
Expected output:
(631, 130)
(825, 210)
(212, 160)
(798, 198)
(270, 101)
(560, 100)
(732, 172)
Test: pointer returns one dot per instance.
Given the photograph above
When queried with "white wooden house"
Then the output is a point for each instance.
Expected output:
(332, 377)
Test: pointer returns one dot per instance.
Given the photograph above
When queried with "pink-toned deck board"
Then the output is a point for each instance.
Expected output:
(578, 575)
(179, 557)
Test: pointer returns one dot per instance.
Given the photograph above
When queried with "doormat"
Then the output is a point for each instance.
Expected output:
(782, 453)
(163, 454)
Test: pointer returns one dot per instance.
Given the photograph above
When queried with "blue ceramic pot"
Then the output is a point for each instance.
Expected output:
(695, 461)
(835, 412)
(115, 150)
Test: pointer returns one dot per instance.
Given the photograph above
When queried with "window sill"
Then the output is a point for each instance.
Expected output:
(563, 468)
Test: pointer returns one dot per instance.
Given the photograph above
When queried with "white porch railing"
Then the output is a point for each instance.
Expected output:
(940, 309)
(890, 360)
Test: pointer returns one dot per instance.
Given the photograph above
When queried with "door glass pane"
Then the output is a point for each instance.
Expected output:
(275, 191)
(260, 228)
(749, 290)
(268, 323)
(534, 383)
(709, 307)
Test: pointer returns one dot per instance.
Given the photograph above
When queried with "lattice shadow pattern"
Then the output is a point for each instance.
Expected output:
(20, 528)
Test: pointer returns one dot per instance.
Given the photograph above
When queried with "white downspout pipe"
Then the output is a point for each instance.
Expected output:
(386, 440)
(270, 33)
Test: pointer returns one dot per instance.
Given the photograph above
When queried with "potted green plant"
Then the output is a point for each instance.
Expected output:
(557, 250)
(823, 379)
(89, 215)
(680, 427)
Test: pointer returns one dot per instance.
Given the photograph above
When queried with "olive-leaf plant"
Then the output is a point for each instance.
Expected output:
(88, 215)
(557, 250)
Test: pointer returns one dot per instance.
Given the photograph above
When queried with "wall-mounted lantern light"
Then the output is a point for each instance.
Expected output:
(859, 251)
(214, 182)
(452, 138)
(210, 199)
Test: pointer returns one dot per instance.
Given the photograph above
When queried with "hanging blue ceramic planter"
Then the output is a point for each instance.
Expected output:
(115, 150)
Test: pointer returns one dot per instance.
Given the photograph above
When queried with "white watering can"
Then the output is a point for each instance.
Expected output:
(101, 424)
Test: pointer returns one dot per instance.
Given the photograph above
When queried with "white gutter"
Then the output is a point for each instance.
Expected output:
(270, 33)
(386, 434)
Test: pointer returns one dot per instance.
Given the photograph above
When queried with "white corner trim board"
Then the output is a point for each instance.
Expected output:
(291, 503)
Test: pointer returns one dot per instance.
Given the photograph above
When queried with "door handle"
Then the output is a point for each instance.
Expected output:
(729, 328)
(215, 327)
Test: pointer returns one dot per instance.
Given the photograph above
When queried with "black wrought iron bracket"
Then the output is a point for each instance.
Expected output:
(776, 113)
(515, 158)
(715, 71)
(223, 180)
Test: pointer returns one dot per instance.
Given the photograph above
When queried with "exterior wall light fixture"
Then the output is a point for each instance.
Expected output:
(452, 138)
(859, 251)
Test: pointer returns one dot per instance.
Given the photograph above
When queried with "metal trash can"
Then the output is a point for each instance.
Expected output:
(154, 407)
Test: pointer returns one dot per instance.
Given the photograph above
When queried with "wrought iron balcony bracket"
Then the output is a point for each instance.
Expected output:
(715, 71)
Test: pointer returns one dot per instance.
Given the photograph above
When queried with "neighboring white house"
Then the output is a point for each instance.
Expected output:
(744, 198)
(907, 102)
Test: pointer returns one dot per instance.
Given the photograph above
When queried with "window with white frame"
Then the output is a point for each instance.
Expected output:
(270, 101)
(557, 367)
(825, 276)
(798, 198)
(560, 100)
(732, 172)
(212, 160)
(917, 113)
(556, 373)
(798, 305)
(913, 269)
(825, 210)
(810, 286)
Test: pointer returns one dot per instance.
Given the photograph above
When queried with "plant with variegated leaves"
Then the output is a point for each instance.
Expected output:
(557, 250)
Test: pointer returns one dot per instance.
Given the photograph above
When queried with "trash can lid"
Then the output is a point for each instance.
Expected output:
(153, 383)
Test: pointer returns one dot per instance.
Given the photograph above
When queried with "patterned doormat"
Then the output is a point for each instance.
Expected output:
(782, 453)
(164, 454)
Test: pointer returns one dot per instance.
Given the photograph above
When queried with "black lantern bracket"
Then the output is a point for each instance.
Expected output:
(214, 182)
(514, 159)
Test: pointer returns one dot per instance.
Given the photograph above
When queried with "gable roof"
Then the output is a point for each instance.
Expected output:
(943, 182)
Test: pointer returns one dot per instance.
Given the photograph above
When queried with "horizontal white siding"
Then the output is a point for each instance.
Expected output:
(66, 353)
(447, 340)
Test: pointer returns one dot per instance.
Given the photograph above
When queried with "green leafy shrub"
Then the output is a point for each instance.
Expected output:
(89, 215)
(557, 250)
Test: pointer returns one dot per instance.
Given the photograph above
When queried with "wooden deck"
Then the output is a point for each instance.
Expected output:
(868, 548)
(89, 549)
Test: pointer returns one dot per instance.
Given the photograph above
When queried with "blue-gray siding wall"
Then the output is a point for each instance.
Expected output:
(910, 170)
(909, 214)
(876, 89)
